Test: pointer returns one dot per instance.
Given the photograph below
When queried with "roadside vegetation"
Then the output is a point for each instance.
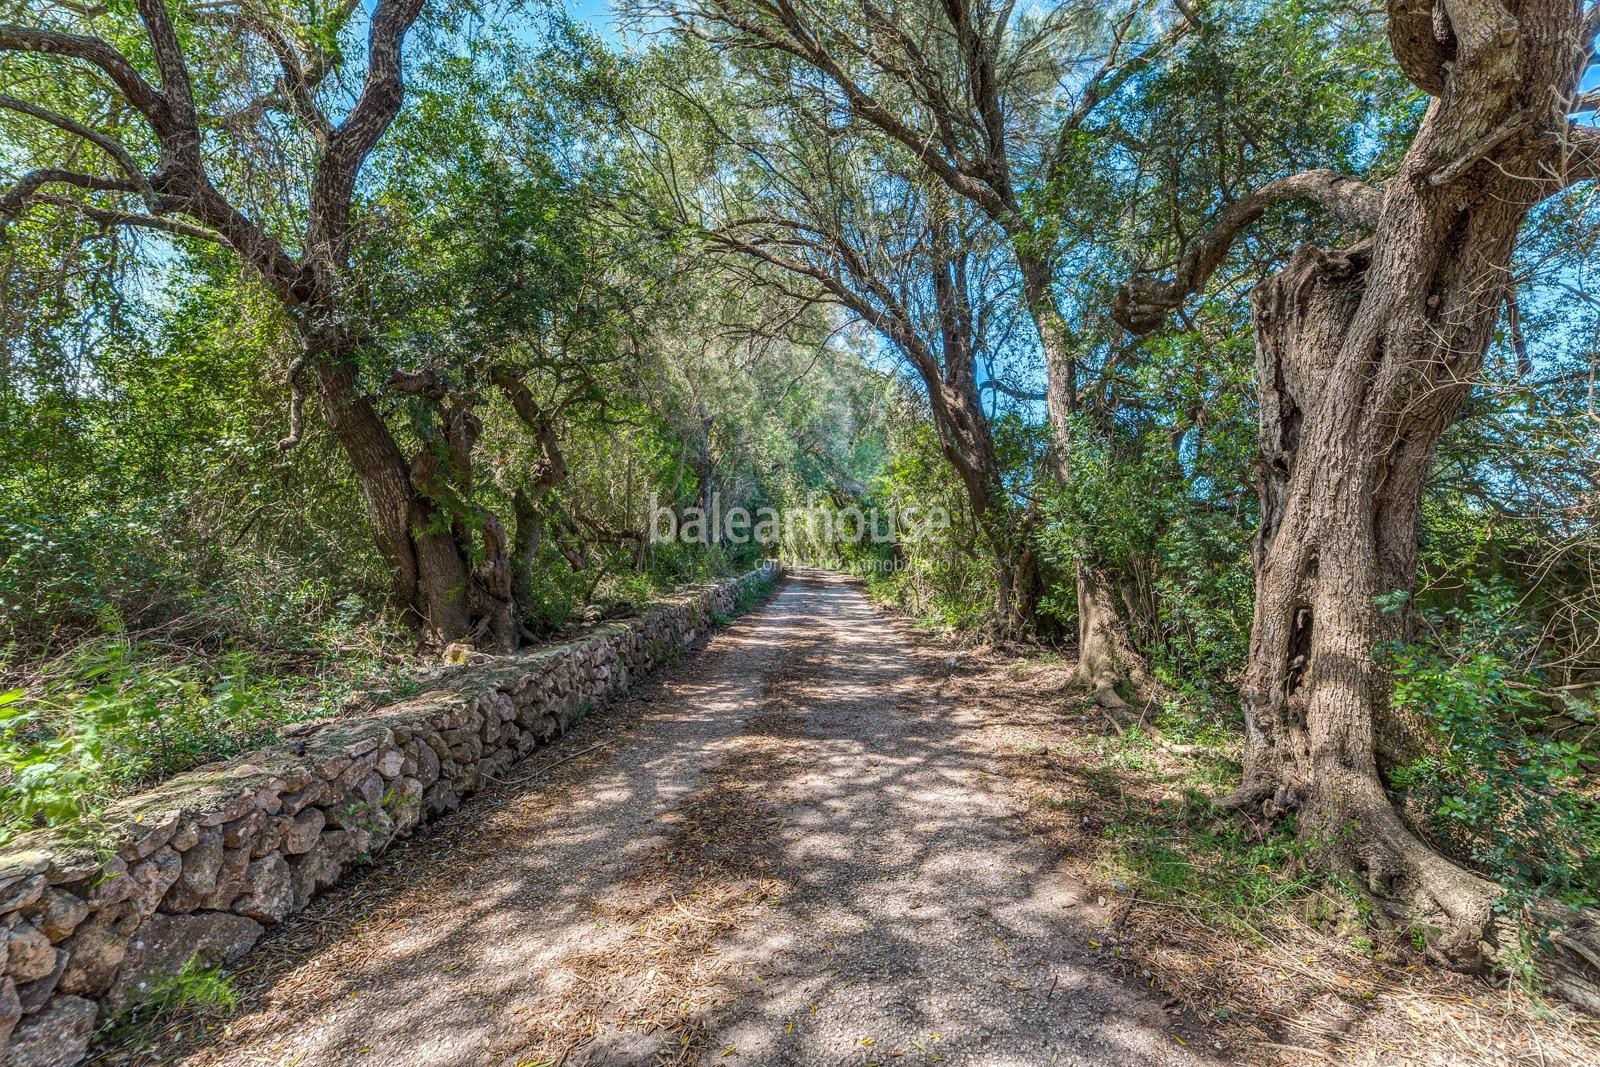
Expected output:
(1249, 349)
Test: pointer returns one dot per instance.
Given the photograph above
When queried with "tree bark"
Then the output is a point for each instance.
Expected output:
(429, 571)
(1365, 356)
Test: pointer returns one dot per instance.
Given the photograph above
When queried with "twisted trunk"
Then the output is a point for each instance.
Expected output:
(1365, 356)
(428, 567)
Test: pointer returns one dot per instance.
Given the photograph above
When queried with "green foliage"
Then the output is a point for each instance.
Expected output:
(116, 714)
(195, 991)
(752, 593)
(1494, 787)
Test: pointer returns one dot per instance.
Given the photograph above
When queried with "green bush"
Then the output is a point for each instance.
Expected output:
(116, 714)
(1495, 789)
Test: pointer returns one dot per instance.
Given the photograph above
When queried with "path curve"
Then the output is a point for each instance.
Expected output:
(790, 850)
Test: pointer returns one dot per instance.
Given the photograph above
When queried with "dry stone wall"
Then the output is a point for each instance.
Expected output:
(199, 867)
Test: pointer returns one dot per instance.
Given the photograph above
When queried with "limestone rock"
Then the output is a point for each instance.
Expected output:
(301, 835)
(153, 877)
(57, 1036)
(166, 942)
(296, 802)
(241, 833)
(269, 895)
(153, 831)
(10, 1010)
(36, 994)
(59, 913)
(390, 763)
(198, 880)
(230, 880)
(184, 838)
(97, 948)
(427, 765)
(110, 884)
(30, 955)
(21, 892)
(406, 805)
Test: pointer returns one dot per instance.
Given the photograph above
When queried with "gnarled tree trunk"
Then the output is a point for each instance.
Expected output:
(430, 569)
(1365, 356)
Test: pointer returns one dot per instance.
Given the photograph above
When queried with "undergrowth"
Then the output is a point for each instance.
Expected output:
(118, 713)
(195, 993)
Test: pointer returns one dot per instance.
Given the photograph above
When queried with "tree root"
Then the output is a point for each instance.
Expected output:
(1460, 915)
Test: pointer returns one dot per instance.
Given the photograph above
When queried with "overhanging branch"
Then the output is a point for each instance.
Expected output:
(1142, 304)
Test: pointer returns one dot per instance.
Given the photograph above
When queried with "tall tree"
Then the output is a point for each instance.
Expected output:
(1001, 108)
(160, 175)
(1365, 355)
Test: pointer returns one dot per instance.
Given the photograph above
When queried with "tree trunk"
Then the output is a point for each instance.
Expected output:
(1107, 655)
(429, 569)
(1365, 356)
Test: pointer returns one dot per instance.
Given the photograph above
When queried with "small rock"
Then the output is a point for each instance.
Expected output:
(30, 955)
(302, 834)
(230, 809)
(241, 832)
(391, 762)
(59, 913)
(296, 802)
(97, 948)
(153, 877)
(185, 837)
(21, 892)
(10, 1010)
(111, 884)
(270, 895)
(36, 994)
(198, 880)
(150, 834)
(230, 880)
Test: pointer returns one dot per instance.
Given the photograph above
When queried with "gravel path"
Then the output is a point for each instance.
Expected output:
(790, 850)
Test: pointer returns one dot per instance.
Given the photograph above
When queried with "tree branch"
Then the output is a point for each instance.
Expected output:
(1010, 390)
(297, 81)
(1142, 304)
(138, 92)
(176, 88)
(109, 145)
(15, 198)
(382, 93)
(109, 217)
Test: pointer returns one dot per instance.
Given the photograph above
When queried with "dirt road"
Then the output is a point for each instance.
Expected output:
(788, 850)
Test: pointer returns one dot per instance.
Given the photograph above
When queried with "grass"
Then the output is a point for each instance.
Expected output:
(1190, 854)
(118, 713)
(194, 995)
(751, 593)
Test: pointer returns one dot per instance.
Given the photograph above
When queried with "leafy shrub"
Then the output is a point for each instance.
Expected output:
(195, 990)
(117, 714)
(1495, 789)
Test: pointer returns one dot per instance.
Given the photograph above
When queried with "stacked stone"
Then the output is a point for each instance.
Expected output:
(199, 866)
